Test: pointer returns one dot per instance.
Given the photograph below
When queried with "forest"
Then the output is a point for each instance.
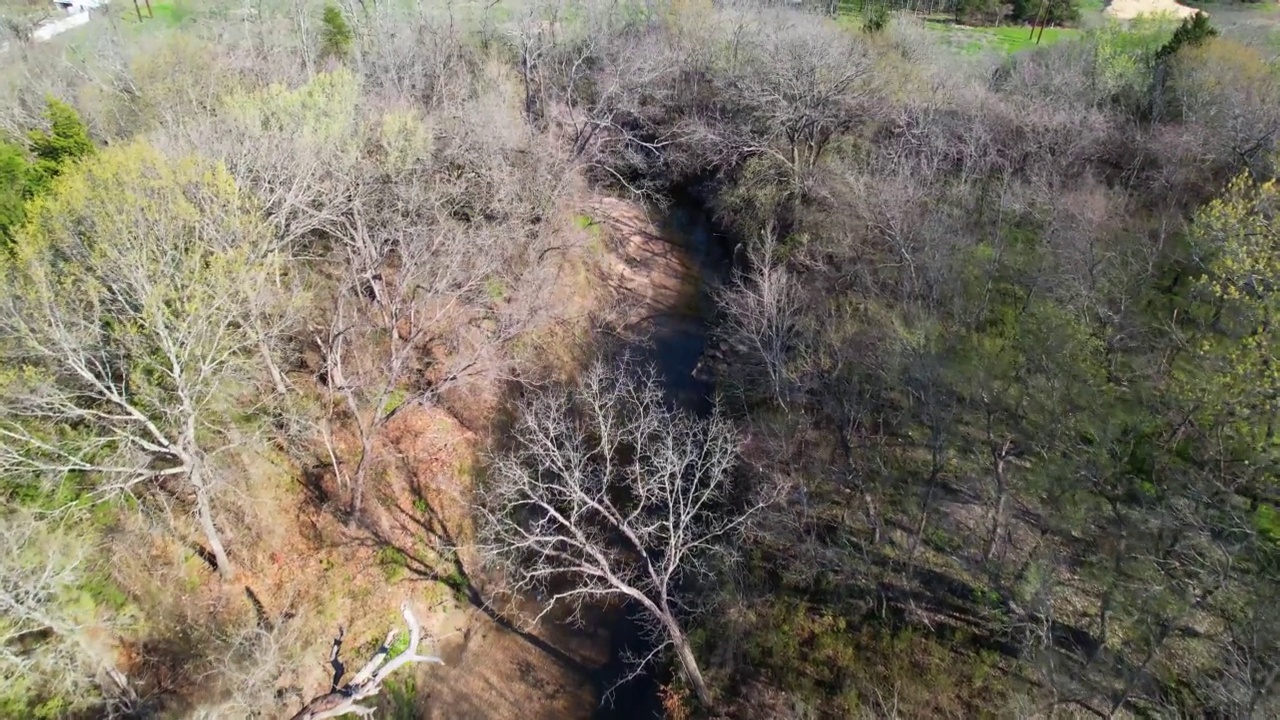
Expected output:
(631, 359)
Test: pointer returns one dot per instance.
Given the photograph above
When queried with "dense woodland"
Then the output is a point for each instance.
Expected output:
(994, 357)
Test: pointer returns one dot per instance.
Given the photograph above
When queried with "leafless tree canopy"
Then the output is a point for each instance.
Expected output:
(608, 493)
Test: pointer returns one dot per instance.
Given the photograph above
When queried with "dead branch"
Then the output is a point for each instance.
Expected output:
(367, 683)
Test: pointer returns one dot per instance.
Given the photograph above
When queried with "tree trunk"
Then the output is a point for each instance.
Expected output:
(204, 513)
(1002, 495)
(277, 377)
(997, 520)
(362, 467)
(689, 664)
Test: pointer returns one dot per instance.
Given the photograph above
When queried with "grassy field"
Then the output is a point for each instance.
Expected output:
(1006, 38)
(1248, 22)
(169, 12)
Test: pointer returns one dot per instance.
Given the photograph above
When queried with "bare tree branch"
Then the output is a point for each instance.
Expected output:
(367, 683)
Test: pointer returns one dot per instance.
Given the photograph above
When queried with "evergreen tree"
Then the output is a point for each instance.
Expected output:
(66, 141)
(1193, 31)
(13, 184)
(336, 37)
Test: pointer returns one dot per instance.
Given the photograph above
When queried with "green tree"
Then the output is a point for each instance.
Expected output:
(977, 11)
(336, 36)
(56, 615)
(875, 18)
(1231, 380)
(1193, 31)
(14, 170)
(134, 312)
(66, 141)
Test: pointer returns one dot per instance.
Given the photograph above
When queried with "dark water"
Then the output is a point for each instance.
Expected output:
(680, 337)
(677, 343)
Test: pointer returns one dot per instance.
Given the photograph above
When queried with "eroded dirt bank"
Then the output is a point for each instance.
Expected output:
(634, 277)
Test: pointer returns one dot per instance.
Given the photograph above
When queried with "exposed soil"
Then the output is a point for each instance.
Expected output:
(303, 569)
(646, 273)
(413, 542)
(1130, 9)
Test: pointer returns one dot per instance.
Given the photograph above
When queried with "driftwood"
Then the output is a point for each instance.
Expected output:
(344, 699)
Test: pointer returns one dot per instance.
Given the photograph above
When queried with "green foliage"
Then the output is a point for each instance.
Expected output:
(1124, 55)
(320, 113)
(1054, 12)
(977, 11)
(1233, 378)
(1193, 31)
(66, 141)
(399, 697)
(405, 139)
(399, 644)
(126, 288)
(172, 13)
(14, 173)
(495, 289)
(875, 19)
(23, 175)
(393, 562)
(336, 36)
(844, 666)
(456, 580)
(59, 601)
(1267, 521)
(395, 399)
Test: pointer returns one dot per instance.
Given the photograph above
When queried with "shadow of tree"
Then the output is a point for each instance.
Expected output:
(437, 560)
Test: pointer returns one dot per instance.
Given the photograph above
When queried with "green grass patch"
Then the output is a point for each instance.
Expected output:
(1007, 39)
(395, 399)
(594, 230)
(494, 288)
(585, 222)
(164, 14)
(393, 562)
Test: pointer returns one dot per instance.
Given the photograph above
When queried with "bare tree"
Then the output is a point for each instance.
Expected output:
(295, 148)
(346, 698)
(1232, 91)
(761, 311)
(50, 640)
(607, 493)
(401, 289)
(805, 84)
(128, 320)
(409, 275)
(22, 21)
(608, 90)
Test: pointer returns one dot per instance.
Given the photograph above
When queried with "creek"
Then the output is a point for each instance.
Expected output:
(675, 346)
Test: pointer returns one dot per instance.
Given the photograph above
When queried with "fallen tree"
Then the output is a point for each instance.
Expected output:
(344, 699)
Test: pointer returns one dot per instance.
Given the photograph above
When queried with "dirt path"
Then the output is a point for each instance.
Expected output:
(1129, 9)
(496, 667)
